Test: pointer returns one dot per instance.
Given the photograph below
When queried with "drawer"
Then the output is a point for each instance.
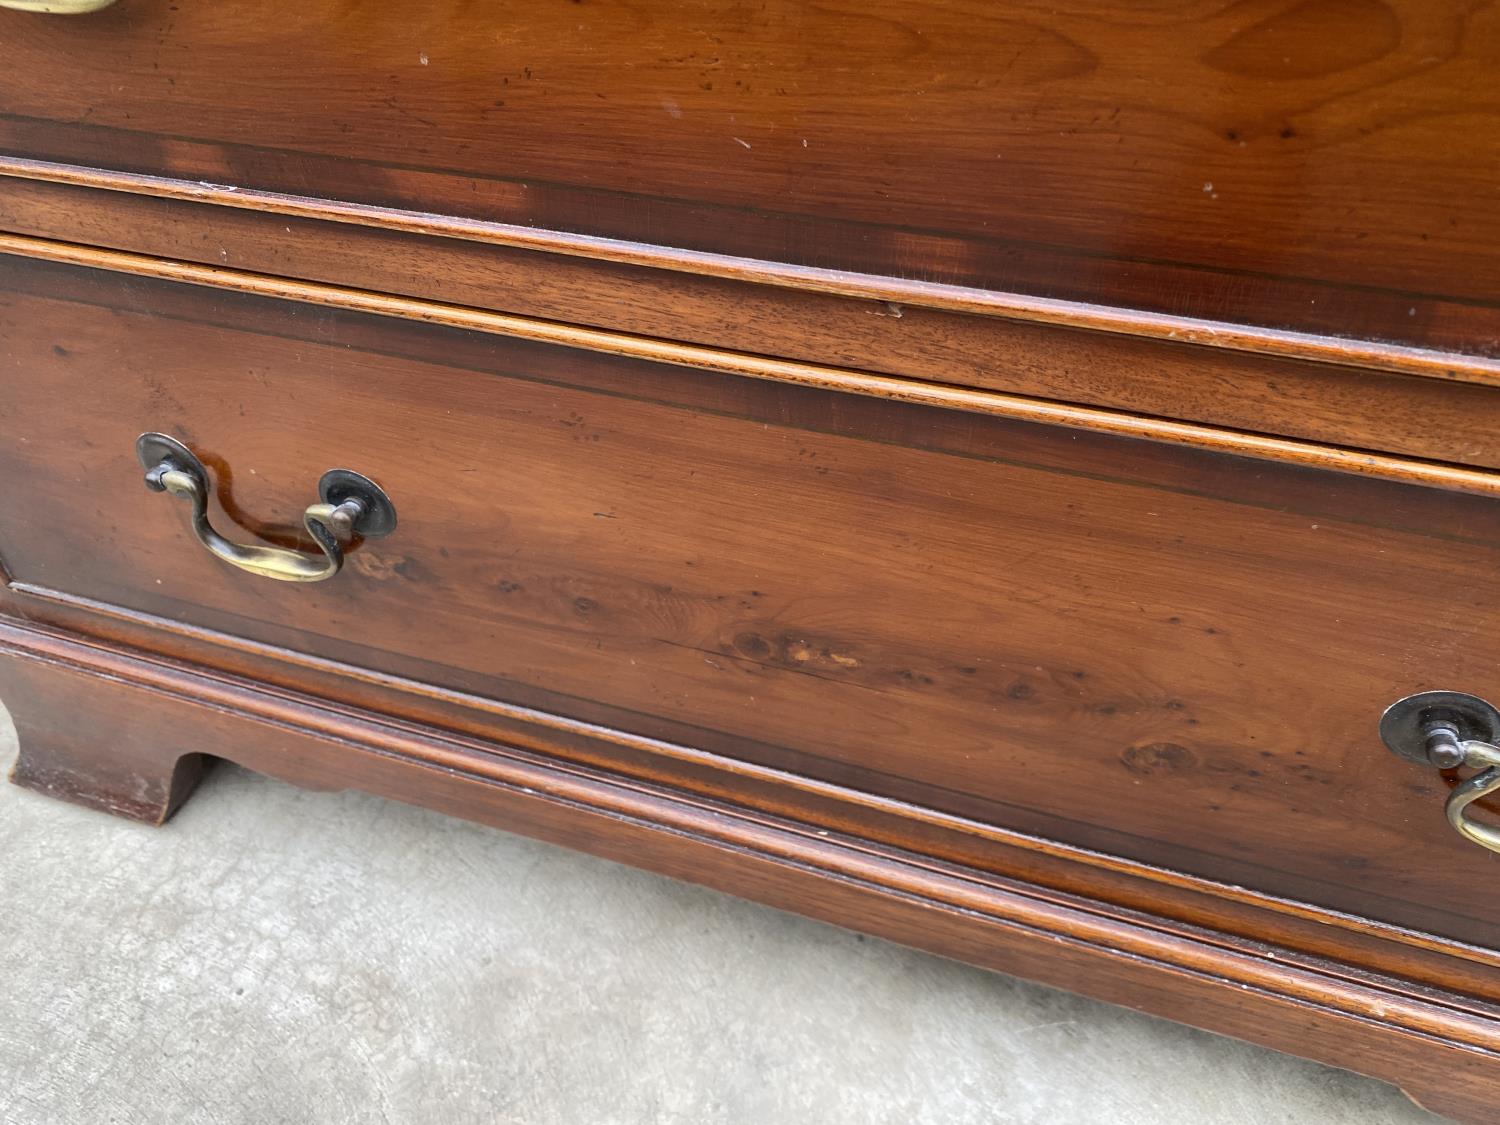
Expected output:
(1172, 654)
(1012, 146)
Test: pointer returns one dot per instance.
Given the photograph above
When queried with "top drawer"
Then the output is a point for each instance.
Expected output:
(1286, 163)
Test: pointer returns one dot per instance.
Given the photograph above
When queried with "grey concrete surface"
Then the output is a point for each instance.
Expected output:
(281, 956)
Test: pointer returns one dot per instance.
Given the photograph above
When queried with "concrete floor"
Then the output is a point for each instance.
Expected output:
(281, 956)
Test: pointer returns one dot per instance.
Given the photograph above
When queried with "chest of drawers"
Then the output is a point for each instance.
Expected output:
(912, 465)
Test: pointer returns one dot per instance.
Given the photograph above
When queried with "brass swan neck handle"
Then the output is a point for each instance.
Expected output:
(350, 506)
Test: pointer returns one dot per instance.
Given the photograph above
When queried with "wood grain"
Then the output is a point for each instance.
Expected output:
(1444, 1055)
(967, 613)
(1165, 430)
(1331, 391)
(1017, 147)
(1425, 962)
(970, 471)
(1326, 313)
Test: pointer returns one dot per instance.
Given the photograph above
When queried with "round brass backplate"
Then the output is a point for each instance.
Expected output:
(1403, 727)
(153, 449)
(338, 485)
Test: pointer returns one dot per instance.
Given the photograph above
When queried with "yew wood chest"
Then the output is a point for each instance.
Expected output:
(1018, 479)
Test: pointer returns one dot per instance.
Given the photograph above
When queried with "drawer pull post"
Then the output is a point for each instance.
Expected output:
(1449, 729)
(350, 506)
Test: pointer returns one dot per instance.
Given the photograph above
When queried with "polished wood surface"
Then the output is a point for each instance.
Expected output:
(1440, 1046)
(1024, 408)
(1106, 641)
(1320, 163)
(971, 472)
(1466, 975)
(1446, 327)
(1332, 391)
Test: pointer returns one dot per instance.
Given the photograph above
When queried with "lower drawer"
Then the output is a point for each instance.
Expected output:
(1175, 655)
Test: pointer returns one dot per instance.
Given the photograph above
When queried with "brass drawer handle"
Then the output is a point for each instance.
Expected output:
(57, 7)
(1448, 729)
(351, 505)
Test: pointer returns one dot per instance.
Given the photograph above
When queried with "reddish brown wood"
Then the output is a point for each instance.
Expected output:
(1465, 975)
(970, 472)
(127, 763)
(1442, 1049)
(1434, 356)
(964, 613)
(995, 404)
(1328, 402)
(1217, 159)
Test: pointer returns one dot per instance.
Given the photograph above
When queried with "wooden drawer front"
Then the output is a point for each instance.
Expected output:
(1174, 655)
(1300, 166)
(1367, 398)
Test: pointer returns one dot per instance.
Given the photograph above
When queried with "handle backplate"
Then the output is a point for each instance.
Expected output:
(1404, 726)
(1446, 730)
